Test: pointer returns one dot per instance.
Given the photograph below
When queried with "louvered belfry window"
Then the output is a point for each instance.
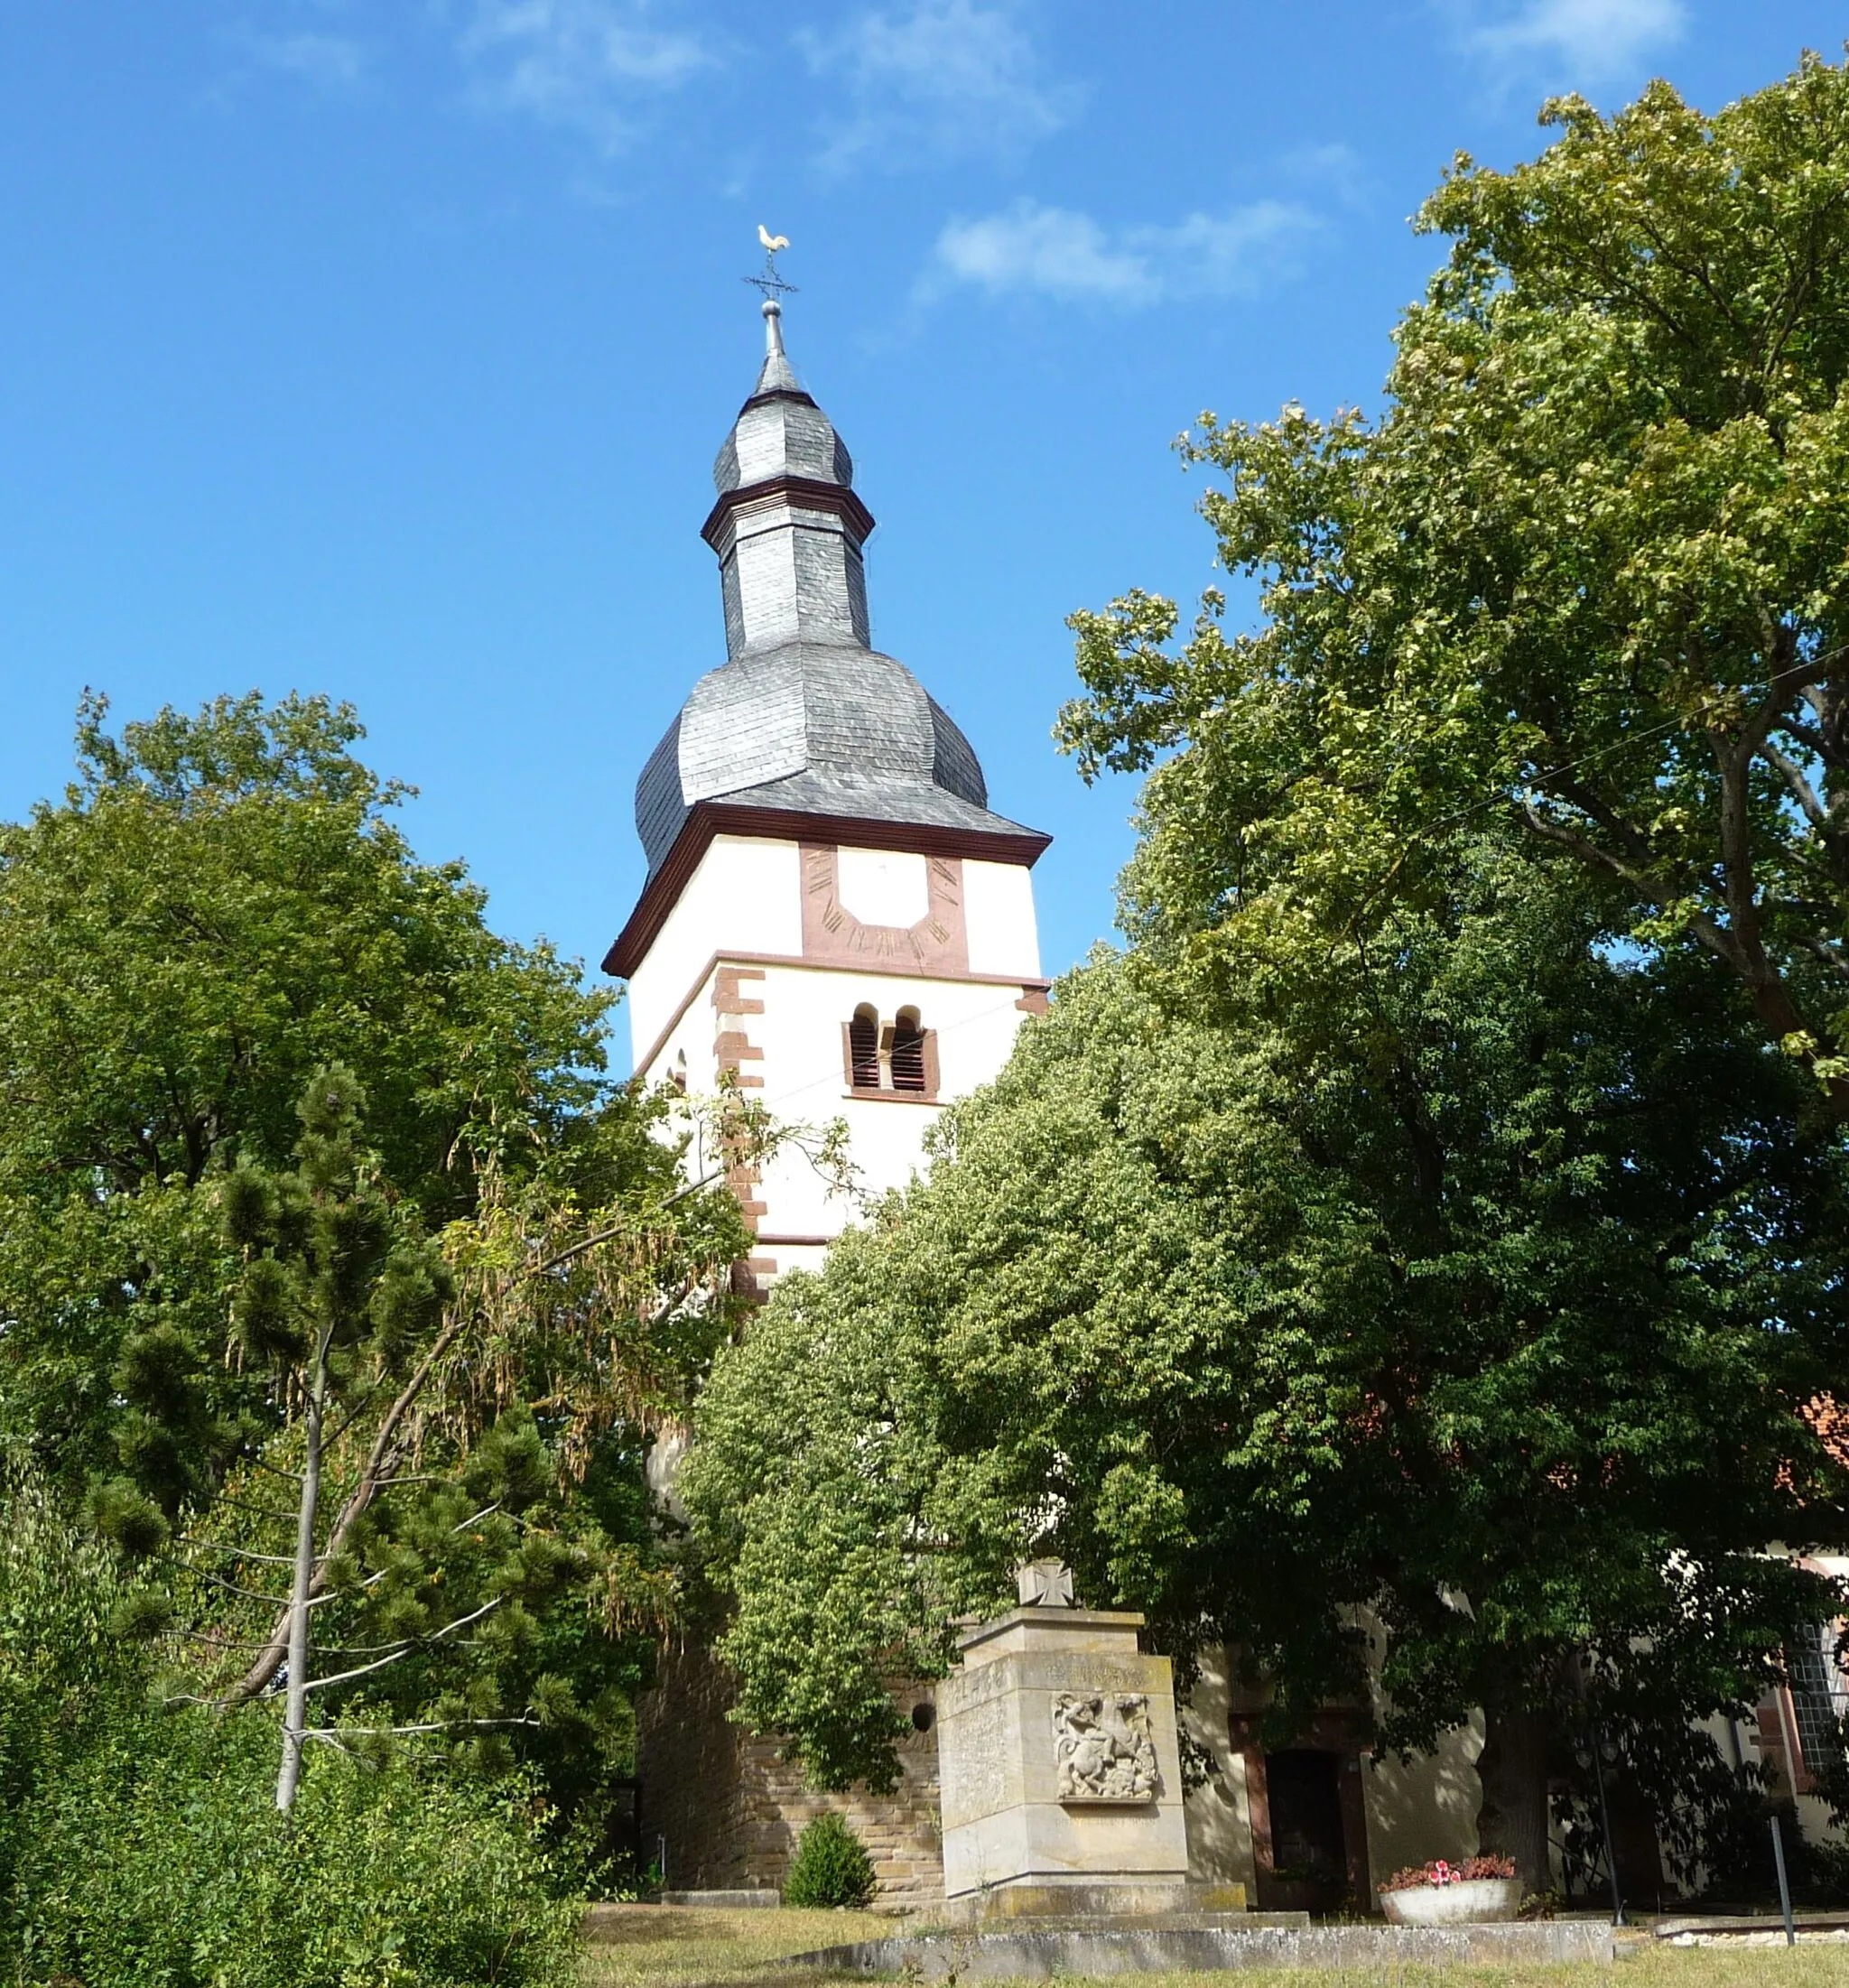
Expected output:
(863, 1050)
(907, 1053)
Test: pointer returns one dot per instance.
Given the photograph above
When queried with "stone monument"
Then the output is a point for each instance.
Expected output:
(1059, 1770)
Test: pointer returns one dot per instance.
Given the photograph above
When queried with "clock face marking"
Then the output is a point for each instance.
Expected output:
(832, 930)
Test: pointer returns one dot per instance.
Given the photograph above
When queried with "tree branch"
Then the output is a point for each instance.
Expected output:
(364, 1670)
(1828, 951)
(1802, 792)
(235, 1552)
(357, 1501)
(406, 1649)
(1765, 985)
(1596, 809)
(564, 1256)
(1707, 931)
(1795, 680)
(328, 1735)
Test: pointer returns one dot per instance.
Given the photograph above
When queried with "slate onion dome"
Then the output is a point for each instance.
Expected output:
(805, 717)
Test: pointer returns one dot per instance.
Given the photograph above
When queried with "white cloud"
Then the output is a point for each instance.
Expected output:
(274, 35)
(1593, 38)
(1054, 252)
(586, 63)
(932, 80)
(1337, 172)
(330, 62)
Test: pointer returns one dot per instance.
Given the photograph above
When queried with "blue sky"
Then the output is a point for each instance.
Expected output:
(382, 347)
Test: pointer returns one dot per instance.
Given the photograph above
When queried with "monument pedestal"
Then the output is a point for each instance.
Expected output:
(1060, 1774)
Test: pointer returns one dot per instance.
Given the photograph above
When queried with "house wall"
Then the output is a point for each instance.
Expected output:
(1219, 1816)
(1003, 936)
(805, 1010)
(1409, 1811)
(1426, 1807)
(767, 953)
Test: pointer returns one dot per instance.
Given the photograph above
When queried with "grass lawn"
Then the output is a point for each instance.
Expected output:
(668, 1946)
(674, 1946)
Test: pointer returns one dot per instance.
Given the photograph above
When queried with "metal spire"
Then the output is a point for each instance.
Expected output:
(776, 375)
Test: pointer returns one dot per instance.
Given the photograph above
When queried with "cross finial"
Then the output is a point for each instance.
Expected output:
(1044, 1583)
(769, 282)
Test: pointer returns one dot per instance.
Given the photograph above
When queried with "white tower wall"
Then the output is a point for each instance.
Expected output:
(731, 982)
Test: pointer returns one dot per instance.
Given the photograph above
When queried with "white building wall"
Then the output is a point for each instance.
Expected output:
(738, 926)
(805, 1080)
(1426, 1806)
(998, 916)
(884, 886)
(744, 896)
(688, 1046)
(1219, 1815)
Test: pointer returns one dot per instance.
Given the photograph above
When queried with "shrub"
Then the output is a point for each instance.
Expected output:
(158, 1861)
(66, 1677)
(831, 1866)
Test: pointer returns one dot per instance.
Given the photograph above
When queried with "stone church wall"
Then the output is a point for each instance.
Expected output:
(729, 1811)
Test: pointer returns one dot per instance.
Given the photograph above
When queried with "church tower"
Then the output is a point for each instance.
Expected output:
(832, 913)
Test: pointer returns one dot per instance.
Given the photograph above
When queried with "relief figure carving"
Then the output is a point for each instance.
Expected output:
(1105, 1747)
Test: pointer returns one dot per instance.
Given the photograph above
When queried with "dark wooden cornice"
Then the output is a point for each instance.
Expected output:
(707, 819)
(809, 492)
(763, 399)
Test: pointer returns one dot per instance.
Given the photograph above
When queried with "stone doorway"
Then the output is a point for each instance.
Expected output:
(1308, 1852)
(1309, 1818)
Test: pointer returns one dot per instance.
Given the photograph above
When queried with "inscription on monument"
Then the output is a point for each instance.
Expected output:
(975, 1777)
(1104, 1746)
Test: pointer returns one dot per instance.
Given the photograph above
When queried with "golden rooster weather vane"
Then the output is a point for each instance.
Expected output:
(772, 285)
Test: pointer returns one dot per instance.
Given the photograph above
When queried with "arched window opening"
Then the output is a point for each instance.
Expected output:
(679, 1073)
(908, 1052)
(863, 1050)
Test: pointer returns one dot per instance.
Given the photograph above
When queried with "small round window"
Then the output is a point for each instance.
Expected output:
(924, 1717)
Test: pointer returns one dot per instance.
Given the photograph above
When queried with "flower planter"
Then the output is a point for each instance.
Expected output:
(1471, 1902)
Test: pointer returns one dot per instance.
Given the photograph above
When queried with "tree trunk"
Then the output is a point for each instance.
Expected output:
(296, 1709)
(1513, 1768)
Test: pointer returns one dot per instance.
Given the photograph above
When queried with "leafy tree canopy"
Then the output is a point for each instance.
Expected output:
(326, 1245)
(141, 1847)
(220, 906)
(1589, 569)
(1481, 1294)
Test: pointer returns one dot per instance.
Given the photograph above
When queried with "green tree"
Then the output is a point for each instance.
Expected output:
(489, 1286)
(1450, 1326)
(343, 1302)
(220, 906)
(441, 1402)
(139, 1846)
(1587, 570)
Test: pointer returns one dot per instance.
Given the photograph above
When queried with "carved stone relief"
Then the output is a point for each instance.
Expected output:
(1105, 1747)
